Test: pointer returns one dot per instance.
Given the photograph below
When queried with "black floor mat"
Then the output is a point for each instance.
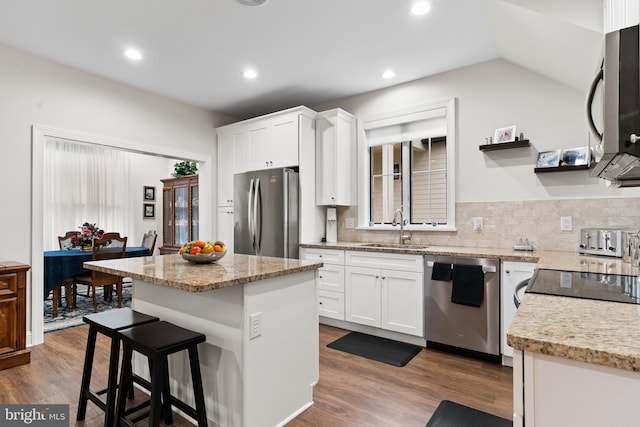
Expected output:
(451, 414)
(380, 349)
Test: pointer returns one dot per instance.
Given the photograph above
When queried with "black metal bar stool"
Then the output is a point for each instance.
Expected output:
(107, 323)
(157, 341)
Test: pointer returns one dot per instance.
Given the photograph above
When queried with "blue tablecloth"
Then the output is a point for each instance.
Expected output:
(64, 264)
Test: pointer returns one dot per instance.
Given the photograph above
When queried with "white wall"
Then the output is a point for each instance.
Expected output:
(491, 95)
(35, 91)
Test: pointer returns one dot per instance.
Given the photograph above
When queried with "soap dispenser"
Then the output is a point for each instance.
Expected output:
(332, 226)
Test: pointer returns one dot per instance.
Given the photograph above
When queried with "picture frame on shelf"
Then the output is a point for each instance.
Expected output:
(549, 159)
(506, 134)
(575, 156)
(149, 194)
(148, 210)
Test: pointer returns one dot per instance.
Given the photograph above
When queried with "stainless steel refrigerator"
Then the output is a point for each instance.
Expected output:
(266, 213)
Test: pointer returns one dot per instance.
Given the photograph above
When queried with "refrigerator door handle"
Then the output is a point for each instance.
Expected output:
(257, 216)
(250, 218)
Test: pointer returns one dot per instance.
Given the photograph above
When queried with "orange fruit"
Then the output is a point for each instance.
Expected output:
(199, 243)
(218, 248)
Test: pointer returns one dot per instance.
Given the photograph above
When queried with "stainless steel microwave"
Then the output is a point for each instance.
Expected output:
(619, 160)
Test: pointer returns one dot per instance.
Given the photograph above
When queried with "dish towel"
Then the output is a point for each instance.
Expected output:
(468, 285)
(441, 271)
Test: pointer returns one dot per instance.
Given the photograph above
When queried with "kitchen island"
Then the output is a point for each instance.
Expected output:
(576, 361)
(260, 359)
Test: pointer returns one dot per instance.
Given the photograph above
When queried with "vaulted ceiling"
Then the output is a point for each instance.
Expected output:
(304, 51)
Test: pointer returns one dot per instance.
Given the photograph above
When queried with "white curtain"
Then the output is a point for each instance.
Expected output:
(84, 183)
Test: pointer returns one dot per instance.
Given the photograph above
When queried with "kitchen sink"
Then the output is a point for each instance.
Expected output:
(392, 246)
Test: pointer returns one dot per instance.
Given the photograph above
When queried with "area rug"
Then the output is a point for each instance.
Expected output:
(451, 414)
(84, 305)
(375, 348)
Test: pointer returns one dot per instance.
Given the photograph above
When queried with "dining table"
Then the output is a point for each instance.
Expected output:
(63, 265)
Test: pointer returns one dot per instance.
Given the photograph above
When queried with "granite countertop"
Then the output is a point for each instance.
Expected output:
(173, 271)
(599, 332)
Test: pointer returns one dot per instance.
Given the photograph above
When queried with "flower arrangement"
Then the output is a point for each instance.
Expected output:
(87, 233)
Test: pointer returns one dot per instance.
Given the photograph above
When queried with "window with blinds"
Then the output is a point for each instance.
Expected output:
(425, 182)
(410, 166)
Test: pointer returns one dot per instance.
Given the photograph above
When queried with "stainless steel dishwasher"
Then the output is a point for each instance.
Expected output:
(467, 329)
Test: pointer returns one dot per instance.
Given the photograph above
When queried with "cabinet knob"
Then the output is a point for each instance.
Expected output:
(377, 277)
(270, 163)
(320, 277)
(266, 163)
(384, 277)
(508, 271)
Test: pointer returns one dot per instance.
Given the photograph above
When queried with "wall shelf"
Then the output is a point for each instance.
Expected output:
(562, 168)
(504, 145)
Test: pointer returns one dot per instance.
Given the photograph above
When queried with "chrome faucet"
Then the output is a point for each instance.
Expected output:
(403, 237)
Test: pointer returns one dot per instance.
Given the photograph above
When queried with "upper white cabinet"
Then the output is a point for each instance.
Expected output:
(225, 170)
(273, 142)
(336, 158)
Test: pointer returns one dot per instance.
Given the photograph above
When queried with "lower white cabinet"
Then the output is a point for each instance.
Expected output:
(390, 298)
(330, 280)
(512, 273)
(225, 226)
(552, 391)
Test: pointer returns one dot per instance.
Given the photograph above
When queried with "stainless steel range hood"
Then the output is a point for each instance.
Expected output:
(620, 140)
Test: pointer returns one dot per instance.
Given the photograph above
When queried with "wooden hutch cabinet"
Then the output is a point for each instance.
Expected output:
(13, 314)
(180, 220)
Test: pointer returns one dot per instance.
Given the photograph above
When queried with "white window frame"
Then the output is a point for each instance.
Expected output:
(396, 117)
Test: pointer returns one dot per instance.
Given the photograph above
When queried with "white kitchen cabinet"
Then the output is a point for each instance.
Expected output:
(330, 280)
(554, 392)
(273, 142)
(511, 274)
(225, 170)
(385, 290)
(335, 158)
(225, 226)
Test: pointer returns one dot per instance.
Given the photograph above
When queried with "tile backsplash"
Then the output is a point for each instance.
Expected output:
(505, 223)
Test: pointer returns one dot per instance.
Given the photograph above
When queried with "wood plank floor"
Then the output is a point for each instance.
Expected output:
(352, 391)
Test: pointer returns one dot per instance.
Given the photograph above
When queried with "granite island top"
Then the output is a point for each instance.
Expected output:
(600, 332)
(175, 272)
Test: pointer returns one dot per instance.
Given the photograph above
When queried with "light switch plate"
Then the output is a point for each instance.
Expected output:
(255, 325)
(566, 223)
(477, 223)
(349, 223)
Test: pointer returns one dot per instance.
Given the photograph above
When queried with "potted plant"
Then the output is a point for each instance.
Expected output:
(184, 168)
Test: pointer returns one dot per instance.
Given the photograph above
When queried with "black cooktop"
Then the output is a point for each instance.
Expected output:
(578, 284)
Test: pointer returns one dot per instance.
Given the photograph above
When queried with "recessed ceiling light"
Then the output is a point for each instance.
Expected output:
(133, 54)
(250, 73)
(420, 8)
(252, 2)
(388, 74)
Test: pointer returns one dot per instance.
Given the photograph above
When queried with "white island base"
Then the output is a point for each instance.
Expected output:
(265, 380)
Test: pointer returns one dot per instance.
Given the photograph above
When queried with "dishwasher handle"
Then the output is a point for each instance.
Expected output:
(485, 268)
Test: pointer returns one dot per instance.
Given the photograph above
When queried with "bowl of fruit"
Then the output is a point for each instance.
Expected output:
(201, 252)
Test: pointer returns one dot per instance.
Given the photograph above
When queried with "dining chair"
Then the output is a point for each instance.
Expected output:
(65, 243)
(149, 242)
(110, 246)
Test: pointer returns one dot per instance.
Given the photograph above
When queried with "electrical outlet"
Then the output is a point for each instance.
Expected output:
(255, 325)
(477, 223)
(349, 223)
(566, 224)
